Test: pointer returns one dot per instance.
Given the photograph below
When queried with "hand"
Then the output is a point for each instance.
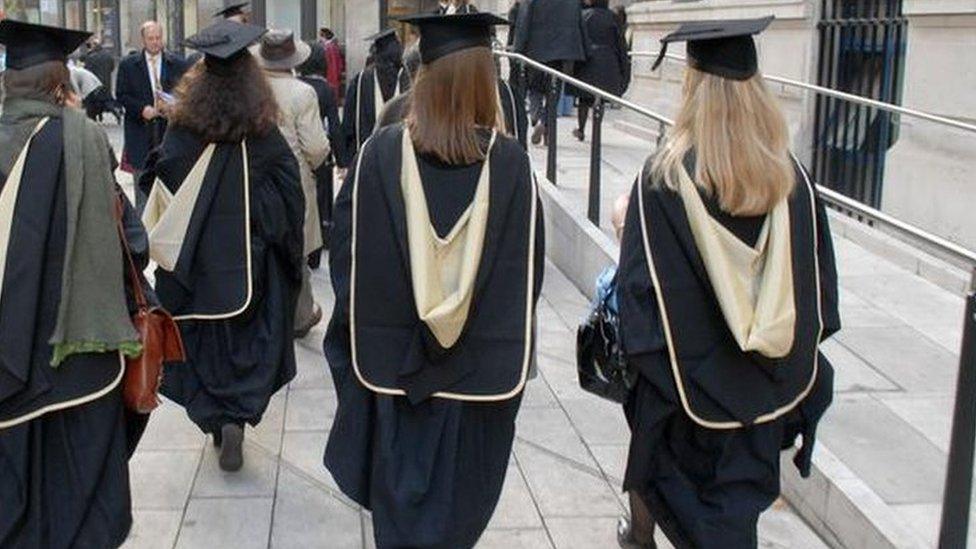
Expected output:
(148, 113)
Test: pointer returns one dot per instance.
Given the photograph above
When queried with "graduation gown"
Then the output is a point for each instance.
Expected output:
(359, 113)
(428, 465)
(63, 443)
(707, 419)
(235, 285)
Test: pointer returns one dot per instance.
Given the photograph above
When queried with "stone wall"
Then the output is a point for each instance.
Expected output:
(929, 173)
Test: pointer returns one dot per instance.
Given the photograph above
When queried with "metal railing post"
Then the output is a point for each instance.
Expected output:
(552, 110)
(959, 476)
(596, 149)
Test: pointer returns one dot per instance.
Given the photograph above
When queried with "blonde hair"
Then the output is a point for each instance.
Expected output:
(740, 140)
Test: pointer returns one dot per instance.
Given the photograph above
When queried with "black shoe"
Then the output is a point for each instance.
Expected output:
(538, 132)
(231, 447)
(304, 330)
(578, 134)
(625, 536)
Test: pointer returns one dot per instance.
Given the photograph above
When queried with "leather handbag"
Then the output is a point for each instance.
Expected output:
(600, 361)
(160, 338)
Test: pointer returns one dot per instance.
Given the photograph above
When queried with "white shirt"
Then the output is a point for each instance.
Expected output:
(154, 64)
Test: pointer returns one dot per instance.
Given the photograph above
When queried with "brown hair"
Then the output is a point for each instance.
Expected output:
(227, 102)
(451, 99)
(49, 82)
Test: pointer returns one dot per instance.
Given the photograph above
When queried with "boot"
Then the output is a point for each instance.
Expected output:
(626, 538)
(538, 132)
(231, 447)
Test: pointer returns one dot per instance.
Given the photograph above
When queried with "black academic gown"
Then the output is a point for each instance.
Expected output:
(359, 111)
(65, 478)
(430, 469)
(235, 363)
(707, 485)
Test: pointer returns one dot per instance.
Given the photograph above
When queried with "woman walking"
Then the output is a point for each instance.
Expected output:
(64, 320)
(229, 246)
(727, 286)
(437, 266)
(607, 64)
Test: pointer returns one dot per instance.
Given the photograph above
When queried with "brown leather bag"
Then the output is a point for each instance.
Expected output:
(160, 338)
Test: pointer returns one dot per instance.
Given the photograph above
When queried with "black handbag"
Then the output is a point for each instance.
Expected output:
(600, 361)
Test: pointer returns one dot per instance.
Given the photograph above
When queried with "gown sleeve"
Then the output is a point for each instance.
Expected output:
(349, 124)
(829, 295)
(284, 225)
(641, 331)
(337, 344)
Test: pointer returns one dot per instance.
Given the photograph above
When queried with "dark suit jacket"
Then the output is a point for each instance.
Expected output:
(134, 90)
(550, 30)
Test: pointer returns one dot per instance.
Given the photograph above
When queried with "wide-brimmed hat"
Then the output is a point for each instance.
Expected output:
(279, 50)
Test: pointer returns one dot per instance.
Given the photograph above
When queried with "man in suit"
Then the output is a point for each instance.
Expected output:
(144, 79)
(548, 31)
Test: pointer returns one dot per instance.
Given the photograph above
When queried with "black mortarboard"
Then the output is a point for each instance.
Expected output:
(441, 35)
(224, 40)
(29, 44)
(722, 48)
(381, 37)
(232, 10)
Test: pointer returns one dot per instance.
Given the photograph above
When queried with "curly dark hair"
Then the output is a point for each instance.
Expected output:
(226, 101)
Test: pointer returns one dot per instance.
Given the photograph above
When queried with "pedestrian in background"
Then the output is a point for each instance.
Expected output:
(236, 217)
(607, 64)
(143, 84)
(370, 90)
(64, 319)
(437, 265)
(335, 62)
(100, 62)
(550, 32)
(312, 73)
(299, 121)
(727, 286)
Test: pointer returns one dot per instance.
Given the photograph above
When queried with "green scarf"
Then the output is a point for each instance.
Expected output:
(93, 316)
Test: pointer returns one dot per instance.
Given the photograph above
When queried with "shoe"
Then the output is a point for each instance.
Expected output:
(578, 134)
(304, 330)
(625, 536)
(231, 447)
(538, 132)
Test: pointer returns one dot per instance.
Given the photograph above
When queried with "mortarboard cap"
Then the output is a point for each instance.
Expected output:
(232, 10)
(382, 36)
(723, 48)
(441, 35)
(29, 44)
(224, 40)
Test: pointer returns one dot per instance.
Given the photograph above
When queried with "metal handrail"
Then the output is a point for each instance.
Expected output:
(890, 107)
(585, 87)
(959, 253)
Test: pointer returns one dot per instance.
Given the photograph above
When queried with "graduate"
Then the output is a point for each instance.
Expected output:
(370, 90)
(511, 101)
(226, 221)
(437, 265)
(64, 319)
(727, 285)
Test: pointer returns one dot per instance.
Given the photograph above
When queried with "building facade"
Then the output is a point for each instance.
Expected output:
(915, 53)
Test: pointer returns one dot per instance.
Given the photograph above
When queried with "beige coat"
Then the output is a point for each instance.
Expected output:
(300, 123)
